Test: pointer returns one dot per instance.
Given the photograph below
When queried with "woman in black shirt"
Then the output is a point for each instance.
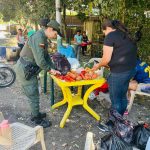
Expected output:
(84, 41)
(119, 53)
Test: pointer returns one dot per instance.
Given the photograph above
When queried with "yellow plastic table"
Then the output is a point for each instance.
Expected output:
(76, 99)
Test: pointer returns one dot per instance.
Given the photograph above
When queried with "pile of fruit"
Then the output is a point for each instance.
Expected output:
(86, 74)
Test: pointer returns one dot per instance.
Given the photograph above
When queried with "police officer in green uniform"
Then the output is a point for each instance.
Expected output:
(33, 58)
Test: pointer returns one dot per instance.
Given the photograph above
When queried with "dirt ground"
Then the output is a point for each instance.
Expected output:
(14, 105)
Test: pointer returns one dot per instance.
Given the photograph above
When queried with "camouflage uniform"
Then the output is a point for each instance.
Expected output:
(35, 51)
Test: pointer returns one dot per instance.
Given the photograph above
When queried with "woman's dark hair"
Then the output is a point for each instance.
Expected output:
(116, 24)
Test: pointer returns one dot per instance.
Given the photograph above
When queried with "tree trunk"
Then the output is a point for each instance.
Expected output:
(58, 11)
(64, 22)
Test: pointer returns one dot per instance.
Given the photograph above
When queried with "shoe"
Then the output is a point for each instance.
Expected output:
(109, 124)
(126, 113)
(42, 122)
(40, 116)
(103, 127)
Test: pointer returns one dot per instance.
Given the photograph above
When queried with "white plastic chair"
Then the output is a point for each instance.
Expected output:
(97, 60)
(138, 91)
(23, 136)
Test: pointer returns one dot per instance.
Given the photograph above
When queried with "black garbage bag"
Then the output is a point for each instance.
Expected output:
(122, 127)
(141, 134)
(113, 142)
(61, 63)
(124, 130)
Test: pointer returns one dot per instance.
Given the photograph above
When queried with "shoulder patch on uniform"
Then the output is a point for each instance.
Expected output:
(42, 45)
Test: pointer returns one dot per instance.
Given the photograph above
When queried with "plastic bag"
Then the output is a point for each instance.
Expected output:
(148, 144)
(67, 51)
(74, 63)
(123, 128)
(104, 100)
(95, 93)
(113, 142)
(61, 63)
(141, 134)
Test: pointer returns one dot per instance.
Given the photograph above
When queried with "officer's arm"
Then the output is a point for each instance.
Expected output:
(49, 60)
(37, 46)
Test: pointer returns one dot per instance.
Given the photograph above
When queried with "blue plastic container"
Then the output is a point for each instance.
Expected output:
(2, 51)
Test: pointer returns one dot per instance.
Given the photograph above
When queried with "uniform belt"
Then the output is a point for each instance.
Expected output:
(24, 62)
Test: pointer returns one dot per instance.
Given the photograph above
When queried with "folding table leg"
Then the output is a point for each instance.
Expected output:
(85, 98)
(59, 104)
(68, 97)
(65, 117)
(92, 112)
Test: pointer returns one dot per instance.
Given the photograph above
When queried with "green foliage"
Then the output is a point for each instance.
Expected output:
(82, 16)
(144, 46)
(130, 12)
(1, 18)
(25, 11)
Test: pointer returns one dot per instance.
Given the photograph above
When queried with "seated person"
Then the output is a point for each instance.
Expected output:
(142, 75)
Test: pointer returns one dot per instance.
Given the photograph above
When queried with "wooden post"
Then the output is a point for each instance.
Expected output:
(89, 144)
(45, 82)
(52, 91)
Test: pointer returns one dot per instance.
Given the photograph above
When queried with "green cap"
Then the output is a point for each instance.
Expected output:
(55, 25)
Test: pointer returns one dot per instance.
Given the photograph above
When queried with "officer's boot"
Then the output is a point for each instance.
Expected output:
(38, 120)
(40, 115)
(42, 122)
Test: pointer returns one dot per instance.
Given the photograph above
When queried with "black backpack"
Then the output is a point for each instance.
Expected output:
(61, 63)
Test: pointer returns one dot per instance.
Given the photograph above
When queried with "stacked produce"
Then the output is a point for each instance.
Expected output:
(86, 74)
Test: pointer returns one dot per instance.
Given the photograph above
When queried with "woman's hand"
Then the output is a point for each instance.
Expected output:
(95, 67)
(54, 72)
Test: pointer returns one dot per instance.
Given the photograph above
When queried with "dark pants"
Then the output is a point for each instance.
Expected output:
(84, 49)
(118, 87)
